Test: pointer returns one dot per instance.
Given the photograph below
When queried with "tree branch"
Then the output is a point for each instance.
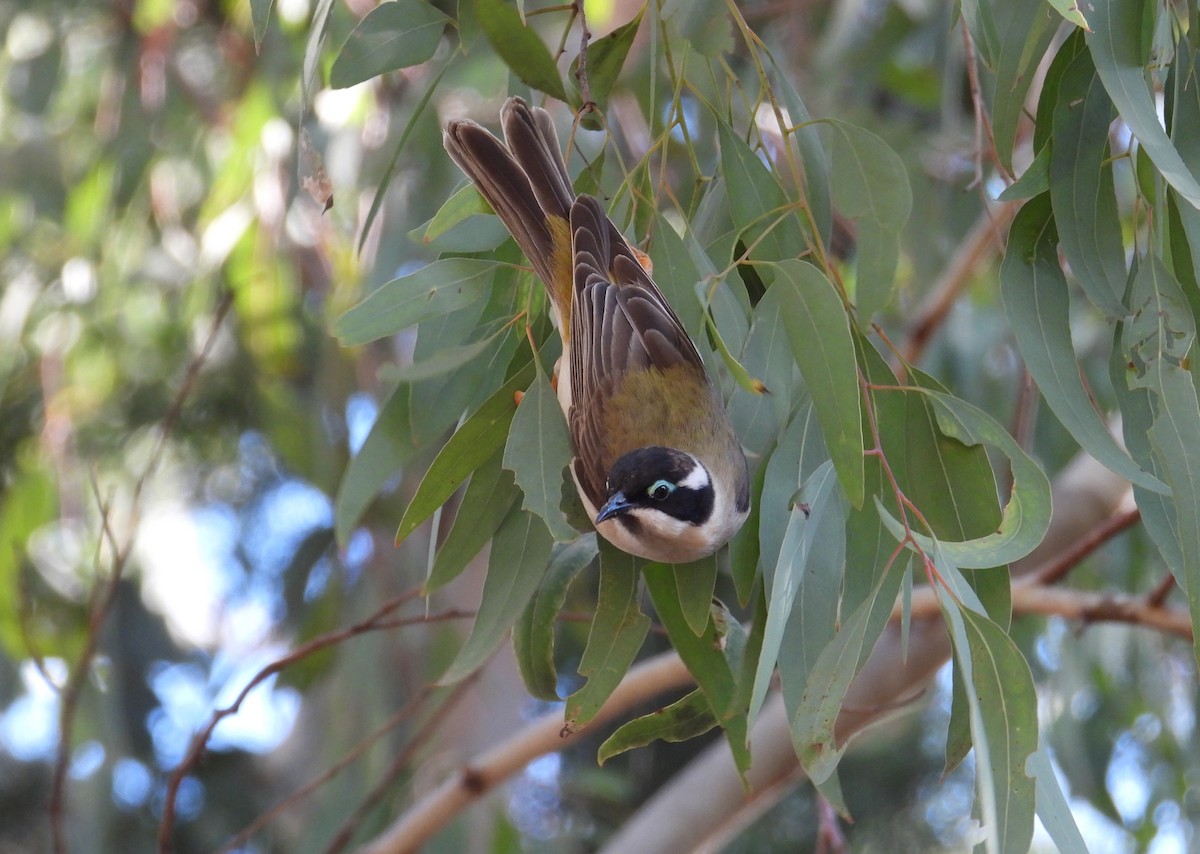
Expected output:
(544, 735)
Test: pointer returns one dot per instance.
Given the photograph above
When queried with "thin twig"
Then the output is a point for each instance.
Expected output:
(1053, 570)
(102, 603)
(1161, 590)
(200, 740)
(544, 735)
(247, 833)
(420, 738)
(585, 35)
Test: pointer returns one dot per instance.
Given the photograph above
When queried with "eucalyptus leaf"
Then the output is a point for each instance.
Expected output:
(519, 558)
(383, 453)
(814, 520)
(870, 185)
(484, 506)
(522, 49)
(819, 332)
(1157, 343)
(701, 654)
(1116, 46)
(758, 205)
(1027, 514)
(485, 431)
(618, 630)
(1034, 291)
(1024, 31)
(394, 35)
(537, 451)
(686, 718)
(533, 635)
(1034, 181)
(1081, 186)
(1003, 714)
(605, 59)
(813, 722)
(433, 290)
(1052, 806)
(260, 15)
(695, 583)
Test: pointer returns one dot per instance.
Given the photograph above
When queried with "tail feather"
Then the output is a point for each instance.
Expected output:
(526, 183)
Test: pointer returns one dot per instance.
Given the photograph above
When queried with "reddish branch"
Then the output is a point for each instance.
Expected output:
(200, 741)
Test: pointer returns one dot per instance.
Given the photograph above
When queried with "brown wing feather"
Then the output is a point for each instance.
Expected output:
(621, 323)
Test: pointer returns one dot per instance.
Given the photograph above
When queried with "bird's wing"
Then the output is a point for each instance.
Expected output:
(620, 323)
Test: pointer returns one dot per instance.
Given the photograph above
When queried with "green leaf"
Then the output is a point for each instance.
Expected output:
(700, 653)
(1081, 186)
(1024, 31)
(1157, 342)
(447, 361)
(1137, 417)
(618, 630)
(1034, 290)
(819, 332)
(533, 635)
(522, 50)
(819, 601)
(799, 452)
(394, 35)
(484, 506)
(461, 206)
(676, 275)
(1003, 713)
(380, 458)
(813, 157)
(471, 445)
(694, 583)
(1034, 181)
(605, 59)
(686, 718)
(758, 418)
(260, 15)
(758, 205)
(736, 369)
(1069, 9)
(744, 547)
(814, 720)
(433, 290)
(703, 24)
(1116, 46)
(816, 521)
(870, 185)
(1027, 514)
(317, 30)
(520, 553)
(537, 451)
(1052, 805)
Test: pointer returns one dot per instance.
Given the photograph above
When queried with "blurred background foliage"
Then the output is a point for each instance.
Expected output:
(175, 418)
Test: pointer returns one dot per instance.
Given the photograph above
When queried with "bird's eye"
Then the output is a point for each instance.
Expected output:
(660, 489)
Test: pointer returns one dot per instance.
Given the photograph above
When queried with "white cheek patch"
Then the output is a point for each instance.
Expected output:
(697, 478)
(660, 523)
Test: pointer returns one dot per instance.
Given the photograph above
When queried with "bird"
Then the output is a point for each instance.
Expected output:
(656, 462)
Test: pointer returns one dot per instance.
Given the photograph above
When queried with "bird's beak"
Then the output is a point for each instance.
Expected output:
(615, 506)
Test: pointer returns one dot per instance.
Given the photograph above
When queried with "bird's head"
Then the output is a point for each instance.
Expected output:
(662, 489)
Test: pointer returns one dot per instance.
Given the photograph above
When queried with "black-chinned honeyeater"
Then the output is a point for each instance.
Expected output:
(657, 464)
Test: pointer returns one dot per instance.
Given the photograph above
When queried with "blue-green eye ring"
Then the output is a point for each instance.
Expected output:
(660, 490)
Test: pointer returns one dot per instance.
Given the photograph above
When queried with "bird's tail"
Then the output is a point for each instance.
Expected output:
(525, 181)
